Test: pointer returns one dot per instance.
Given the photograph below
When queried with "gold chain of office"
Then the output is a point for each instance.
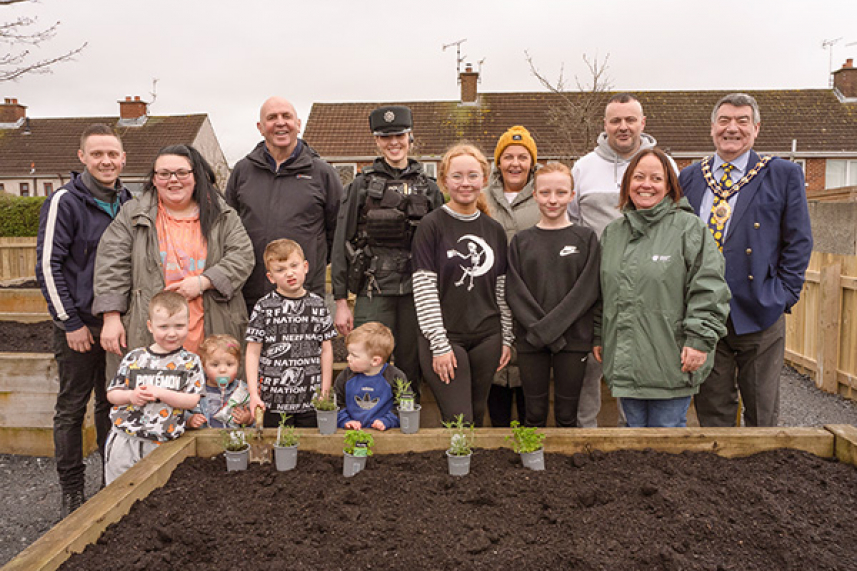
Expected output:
(723, 211)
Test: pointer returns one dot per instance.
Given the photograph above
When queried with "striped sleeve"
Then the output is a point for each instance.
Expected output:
(505, 312)
(429, 316)
(52, 248)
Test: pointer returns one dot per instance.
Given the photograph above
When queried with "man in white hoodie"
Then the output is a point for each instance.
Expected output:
(597, 179)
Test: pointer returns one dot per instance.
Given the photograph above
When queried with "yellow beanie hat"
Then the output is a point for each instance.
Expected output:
(516, 135)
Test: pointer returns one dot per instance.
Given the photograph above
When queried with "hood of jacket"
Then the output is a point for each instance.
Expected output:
(641, 220)
(302, 162)
(606, 152)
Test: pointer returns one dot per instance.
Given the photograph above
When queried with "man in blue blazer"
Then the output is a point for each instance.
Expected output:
(756, 209)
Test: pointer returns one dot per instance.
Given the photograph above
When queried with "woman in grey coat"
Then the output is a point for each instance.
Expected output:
(179, 235)
(510, 202)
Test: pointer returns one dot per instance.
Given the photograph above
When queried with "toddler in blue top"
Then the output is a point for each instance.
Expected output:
(364, 389)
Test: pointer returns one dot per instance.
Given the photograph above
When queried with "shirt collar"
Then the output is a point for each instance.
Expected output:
(739, 163)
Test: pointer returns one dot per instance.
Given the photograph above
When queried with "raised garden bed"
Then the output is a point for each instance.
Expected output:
(590, 509)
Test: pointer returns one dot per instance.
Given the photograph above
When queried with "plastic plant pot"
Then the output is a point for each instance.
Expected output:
(534, 460)
(286, 457)
(326, 420)
(410, 420)
(236, 461)
(458, 465)
(352, 464)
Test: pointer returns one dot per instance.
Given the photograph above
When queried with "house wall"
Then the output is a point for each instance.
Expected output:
(12, 185)
(207, 144)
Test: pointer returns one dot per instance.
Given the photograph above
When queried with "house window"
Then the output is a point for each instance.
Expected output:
(49, 188)
(430, 169)
(840, 172)
(2, 187)
(347, 172)
(25, 189)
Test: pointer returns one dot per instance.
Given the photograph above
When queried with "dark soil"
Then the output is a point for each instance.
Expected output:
(15, 284)
(26, 337)
(623, 510)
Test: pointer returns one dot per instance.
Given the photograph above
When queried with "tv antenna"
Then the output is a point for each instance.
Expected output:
(154, 92)
(458, 56)
(828, 45)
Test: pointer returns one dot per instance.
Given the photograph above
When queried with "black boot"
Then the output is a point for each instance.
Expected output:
(71, 501)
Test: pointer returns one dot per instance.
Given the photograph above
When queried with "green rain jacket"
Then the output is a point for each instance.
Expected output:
(663, 288)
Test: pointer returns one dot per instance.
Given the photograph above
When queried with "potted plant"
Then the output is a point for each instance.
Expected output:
(358, 447)
(286, 447)
(326, 411)
(460, 446)
(235, 448)
(529, 443)
(409, 411)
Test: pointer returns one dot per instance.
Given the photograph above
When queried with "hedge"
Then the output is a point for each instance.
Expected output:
(19, 216)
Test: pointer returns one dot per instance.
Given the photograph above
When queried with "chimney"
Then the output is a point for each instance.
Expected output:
(11, 111)
(132, 108)
(845, 79)
(468, 79)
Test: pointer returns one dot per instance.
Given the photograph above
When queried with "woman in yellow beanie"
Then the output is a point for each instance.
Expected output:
(510, 202)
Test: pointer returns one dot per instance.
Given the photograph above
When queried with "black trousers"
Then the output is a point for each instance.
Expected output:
(80, 374)
(568, 372)
(467, 393)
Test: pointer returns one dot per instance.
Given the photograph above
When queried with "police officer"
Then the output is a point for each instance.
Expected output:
(371, 254)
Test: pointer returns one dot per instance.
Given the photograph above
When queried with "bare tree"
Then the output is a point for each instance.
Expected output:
(578, 114)
(15, 33)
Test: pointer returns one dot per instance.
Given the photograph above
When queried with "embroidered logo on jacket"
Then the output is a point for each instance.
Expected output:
(478, 259)
(366, 402)
(568, 250)
(657, 258)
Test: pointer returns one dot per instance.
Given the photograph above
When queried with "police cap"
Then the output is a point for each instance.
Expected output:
(390, 120)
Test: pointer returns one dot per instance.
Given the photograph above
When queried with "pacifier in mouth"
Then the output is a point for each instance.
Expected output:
(222, 382)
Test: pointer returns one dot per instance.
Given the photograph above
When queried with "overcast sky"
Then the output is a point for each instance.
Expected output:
(224, 57)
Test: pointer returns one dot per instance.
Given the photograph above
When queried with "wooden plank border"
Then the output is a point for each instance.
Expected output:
(845, 444)
(85, 525)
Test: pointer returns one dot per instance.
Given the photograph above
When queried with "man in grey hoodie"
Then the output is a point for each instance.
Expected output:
(597, 179)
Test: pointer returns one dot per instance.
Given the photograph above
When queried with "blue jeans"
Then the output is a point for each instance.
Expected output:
(656, 413)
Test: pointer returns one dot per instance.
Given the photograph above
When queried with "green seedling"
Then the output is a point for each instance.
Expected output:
(324, 402)
(233, 440)
(355, 437)
(286, 435)
(403, 395)
(525, 439)
(462, 436)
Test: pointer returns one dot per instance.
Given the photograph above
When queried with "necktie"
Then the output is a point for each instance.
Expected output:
(720, 209)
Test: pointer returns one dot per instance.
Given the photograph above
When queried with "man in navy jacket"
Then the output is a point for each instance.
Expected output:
(756, 209)
(70, 225)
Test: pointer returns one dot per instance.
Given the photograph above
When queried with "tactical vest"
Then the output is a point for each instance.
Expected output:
(392, 210)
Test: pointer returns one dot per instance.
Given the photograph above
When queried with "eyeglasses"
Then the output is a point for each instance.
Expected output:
(180, 174)
(471, 176)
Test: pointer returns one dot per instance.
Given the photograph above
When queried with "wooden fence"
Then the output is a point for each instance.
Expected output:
(17, 258)
(821, 331)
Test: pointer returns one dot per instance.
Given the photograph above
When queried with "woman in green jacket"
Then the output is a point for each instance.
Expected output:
(178, 235)
(665, 298)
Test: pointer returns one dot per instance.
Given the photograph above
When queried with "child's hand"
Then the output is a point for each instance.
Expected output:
(255, 402)
(142, 395)
(241, 415)
(196, 420)
(353, 425)
(378, 425)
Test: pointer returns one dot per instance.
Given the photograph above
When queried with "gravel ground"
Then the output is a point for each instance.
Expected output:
(29, 491)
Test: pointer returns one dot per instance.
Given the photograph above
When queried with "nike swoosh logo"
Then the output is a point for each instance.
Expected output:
(568, 250)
